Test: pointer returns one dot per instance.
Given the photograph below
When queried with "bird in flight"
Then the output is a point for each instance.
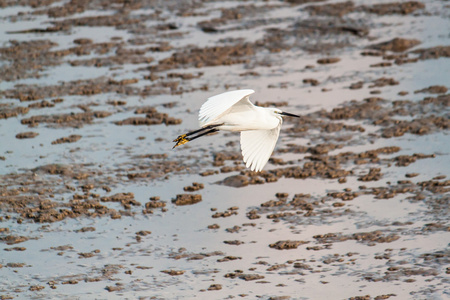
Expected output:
(233, 111)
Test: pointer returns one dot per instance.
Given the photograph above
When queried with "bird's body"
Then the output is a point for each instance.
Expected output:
(233, 111)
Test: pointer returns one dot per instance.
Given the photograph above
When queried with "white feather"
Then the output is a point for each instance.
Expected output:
(218, 105)
(257, 146)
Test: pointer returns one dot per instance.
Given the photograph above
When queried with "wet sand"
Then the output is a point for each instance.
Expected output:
(95, 204)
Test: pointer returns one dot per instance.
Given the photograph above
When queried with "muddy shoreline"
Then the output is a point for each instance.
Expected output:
(353, 203)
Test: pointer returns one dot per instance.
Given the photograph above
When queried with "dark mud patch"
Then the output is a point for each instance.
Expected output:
(433, 52)
(363, 237)
(65, 120)
(283, 245)
(152, 117)
(27, 135)
(9, 111)
(434, 89)
(334, 9)
(211, 56)
(69, 139)
(194, 187)
(401, 8)
(187, 199)
(396, 45)
(342, 8)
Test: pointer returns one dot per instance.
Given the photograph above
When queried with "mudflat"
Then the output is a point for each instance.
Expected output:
(95, 204)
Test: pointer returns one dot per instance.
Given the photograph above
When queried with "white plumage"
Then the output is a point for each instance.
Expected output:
(217, 105)
(233, 111)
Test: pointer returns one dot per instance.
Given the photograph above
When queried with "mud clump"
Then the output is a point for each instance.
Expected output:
(227, 213)
(373, 175)
(86, 229)
(27, 135)
(126, 199)
(187, 199)
(42, 104)
(366, 237)
(396, 45)
(271, 103)
(153, 117)
(405, 160)
(65, 120)
(215, 287)
(328, 60)
(221, 157)
(418, 126)
(434, 89)
(298, 2)
(250, 277)
(283, 245)
(433, 52)
(194, 187)
(357, 110)
(383, 81)
(236, 181)
(13, 239)
(206, 57)
(173, 272)
(154, 204)
(9, 112)
(335, 9)
(70, 139)
(357, 85)
(156, 169)
(233, 242)
(313, 82)
(114, 288)
(402, 8)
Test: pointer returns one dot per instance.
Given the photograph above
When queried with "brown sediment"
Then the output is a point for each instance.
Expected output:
(402, 8)
(69, 139)
(6, 111)
(282, 245)
(65, 120)
(396, 45)
(334, 9)
(27, 135)
(433, 52)
(365, 237)
(194, 187)
(153, 117)
(328, 60)
(187, 199)
(434, 89)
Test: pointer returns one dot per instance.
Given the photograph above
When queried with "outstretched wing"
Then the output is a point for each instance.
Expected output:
(257, 146)
(217, 105)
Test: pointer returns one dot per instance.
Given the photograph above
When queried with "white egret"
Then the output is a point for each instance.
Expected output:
(233, 111)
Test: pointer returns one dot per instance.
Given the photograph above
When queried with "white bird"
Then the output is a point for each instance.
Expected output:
(233, 111)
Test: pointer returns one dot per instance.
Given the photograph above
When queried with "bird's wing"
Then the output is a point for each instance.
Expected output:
(217, 105)
(257, 146)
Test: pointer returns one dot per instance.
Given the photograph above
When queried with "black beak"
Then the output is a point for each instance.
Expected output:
(288, 114)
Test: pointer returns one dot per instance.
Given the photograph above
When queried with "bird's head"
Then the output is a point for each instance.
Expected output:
(279, 112)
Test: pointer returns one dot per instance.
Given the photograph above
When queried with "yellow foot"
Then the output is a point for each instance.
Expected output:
(180, 137)
(181, 140)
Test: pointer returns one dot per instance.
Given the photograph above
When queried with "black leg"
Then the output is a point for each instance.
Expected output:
(183, 139)
(203, 133)
(194, 132)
